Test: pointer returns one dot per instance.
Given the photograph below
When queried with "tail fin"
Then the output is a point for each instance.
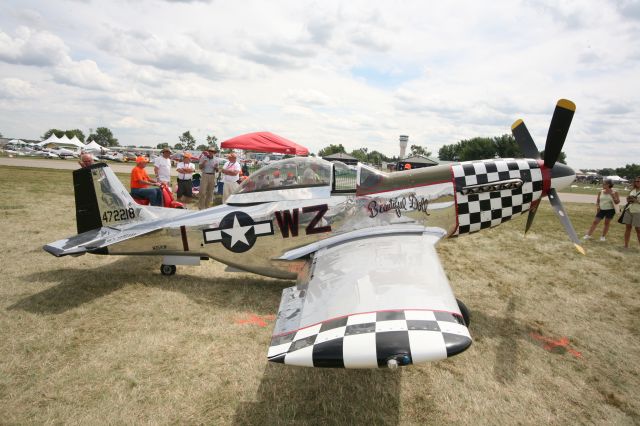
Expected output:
(102, 200)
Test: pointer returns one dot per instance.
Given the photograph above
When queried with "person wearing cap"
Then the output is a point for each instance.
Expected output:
(142, 186)
(208, 168)
(231, 171)
(407, 166)
(185, 170)
(162, 166)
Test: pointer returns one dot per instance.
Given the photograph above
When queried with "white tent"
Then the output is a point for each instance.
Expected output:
(51, 139)
(17, 142)
(93, 146)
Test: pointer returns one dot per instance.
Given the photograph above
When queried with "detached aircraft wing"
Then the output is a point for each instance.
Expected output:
(373, 302)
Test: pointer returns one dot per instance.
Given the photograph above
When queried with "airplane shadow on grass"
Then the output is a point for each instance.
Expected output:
(298, 395)
(76, 287)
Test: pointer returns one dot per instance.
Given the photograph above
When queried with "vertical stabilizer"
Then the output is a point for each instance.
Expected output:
(102, 200)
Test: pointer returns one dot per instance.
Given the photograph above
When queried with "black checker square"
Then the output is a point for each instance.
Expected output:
(391, 344)
(461, 182)
(491, 167)
(485, 205)
(473, 198)
(496, 214)
(512, 165)
(526, 198)
(485, 225)
(525, 175)
(494, 194)
(303, 343)
(330, 325)
(283, 338)
(503, 175)
(474, 217)
(329, 354)
(389, 315)
(537, 186)
(423, 325)
(482, 178)
(507, 201)
(463, 208)
(464, 229)
(468, 169)
(353, 329)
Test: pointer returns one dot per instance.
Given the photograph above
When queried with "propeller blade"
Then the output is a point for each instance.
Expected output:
(558, 130)
(524, 140)
(532, 215)
(558, 208)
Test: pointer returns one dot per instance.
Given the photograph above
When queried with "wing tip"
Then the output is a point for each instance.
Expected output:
(580, 249)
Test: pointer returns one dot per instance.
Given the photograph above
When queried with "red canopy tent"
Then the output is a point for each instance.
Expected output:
(265, 142)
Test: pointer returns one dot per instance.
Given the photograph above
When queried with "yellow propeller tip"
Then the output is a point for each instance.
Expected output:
(580, 249)
(567, 104)
(516, 123)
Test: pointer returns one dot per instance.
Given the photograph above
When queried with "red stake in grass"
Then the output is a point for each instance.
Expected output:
(557, 346)
(256, 320)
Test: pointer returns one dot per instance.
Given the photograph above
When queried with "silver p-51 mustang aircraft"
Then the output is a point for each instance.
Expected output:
(370, 289)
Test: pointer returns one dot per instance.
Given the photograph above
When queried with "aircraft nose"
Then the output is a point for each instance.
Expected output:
(562, 176)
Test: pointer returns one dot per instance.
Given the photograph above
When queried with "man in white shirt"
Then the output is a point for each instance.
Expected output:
(185, 171)
(162, 167)
(231, 172)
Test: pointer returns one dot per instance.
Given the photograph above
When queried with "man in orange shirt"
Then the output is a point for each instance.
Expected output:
(140, 183)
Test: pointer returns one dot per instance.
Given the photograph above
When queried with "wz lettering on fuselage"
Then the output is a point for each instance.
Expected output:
(289, 221)
(398, 205)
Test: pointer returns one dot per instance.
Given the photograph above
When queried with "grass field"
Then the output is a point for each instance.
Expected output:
(108, 340)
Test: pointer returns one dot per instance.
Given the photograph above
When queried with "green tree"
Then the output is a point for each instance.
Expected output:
(504, 146)
(104, 137)
(178, 146)
(331, 149)
(201, 147)
(360, 154)
(59, 133)
(187, 140)
(419, 150)
(212, 141)
(629, 171)
(75, 132)
(162, 145)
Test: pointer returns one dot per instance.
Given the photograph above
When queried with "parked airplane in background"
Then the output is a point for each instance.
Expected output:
(370, 288)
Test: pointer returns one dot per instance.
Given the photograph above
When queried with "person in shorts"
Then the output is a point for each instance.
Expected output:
(606, 203)
(631, 217)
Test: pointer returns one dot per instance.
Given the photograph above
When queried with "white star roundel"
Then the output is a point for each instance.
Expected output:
(238, 232)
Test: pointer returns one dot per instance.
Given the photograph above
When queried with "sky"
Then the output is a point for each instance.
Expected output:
(356, 73)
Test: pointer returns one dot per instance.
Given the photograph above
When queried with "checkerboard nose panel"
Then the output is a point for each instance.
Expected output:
(369, 340)
(489, 208)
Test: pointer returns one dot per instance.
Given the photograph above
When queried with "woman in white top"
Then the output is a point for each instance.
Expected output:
(631, 217)
(606, 203)
(231, 172)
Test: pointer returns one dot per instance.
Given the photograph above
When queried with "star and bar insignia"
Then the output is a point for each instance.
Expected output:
(238, 232)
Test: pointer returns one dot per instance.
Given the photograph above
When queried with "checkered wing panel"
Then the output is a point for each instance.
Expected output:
(368, 302)
(482, 201)
(370, 340)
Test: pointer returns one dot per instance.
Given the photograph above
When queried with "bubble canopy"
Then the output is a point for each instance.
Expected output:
(290, 173)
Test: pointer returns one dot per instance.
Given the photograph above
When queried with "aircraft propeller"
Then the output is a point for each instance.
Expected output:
(558, 129)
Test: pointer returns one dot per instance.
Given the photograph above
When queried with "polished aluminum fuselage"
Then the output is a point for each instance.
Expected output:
(272, 233)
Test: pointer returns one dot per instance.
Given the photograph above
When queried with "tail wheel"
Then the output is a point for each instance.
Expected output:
(465, 312)
(168, 270)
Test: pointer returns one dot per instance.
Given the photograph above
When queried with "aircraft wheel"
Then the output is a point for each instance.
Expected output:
(465, 312)
(168, 270)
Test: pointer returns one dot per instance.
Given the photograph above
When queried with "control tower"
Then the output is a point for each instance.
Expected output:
(404, 140)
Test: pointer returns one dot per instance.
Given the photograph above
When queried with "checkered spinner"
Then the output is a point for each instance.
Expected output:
(371, 339)
(491, 206)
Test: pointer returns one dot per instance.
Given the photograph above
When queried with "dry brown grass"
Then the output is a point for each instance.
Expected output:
(109, 340)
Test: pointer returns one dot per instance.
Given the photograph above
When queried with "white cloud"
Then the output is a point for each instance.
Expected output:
(358, 73)
(14, 88)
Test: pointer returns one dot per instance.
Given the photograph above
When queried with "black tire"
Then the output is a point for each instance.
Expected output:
(168, 270)
(466, 316)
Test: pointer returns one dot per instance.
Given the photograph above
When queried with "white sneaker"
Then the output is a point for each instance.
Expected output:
(603, 239)
(586, 237)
